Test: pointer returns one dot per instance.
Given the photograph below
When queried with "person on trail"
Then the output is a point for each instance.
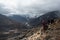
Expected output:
(48, 22)
(44, 24)
(52, 21)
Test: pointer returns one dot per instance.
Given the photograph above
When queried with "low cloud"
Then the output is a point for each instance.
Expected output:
(2, 10)
(37, 8)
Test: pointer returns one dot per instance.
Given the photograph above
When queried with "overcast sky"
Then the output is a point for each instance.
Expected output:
(28, 7)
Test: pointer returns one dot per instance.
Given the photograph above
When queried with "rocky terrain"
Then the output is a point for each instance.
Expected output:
(32, 30)
(53, 33)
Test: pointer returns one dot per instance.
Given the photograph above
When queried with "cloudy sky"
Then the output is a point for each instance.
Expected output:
(28, 7)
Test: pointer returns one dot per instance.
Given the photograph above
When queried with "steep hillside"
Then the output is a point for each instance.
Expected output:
(53, 33)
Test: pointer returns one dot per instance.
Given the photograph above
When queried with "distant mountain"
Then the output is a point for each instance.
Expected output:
(46, 16)
(19, 18)
(7, 24)
(35, 21)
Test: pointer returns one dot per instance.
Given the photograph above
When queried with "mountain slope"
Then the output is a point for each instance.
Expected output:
(7, 24)
(19, 18)
(46, 17)
(36, 33)
(53, 33)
